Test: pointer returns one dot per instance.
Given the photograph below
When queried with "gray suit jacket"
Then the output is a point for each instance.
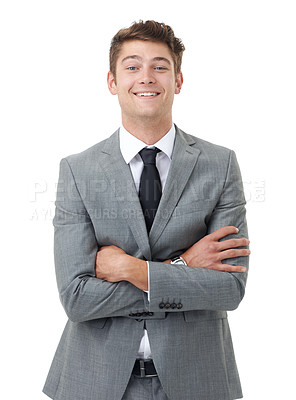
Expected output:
(97, 204)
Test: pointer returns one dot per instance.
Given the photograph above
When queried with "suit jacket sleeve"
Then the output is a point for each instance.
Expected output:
(203, 289)
(83, 296)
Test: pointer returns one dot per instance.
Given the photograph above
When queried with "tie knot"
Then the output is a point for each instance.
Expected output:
(149, 155)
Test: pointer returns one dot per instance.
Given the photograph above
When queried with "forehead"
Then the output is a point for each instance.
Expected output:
(144, 50)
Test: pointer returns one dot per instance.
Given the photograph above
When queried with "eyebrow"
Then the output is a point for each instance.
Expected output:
(138, 58)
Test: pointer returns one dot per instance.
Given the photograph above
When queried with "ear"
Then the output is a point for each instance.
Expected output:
(179, 83)
(111, 83)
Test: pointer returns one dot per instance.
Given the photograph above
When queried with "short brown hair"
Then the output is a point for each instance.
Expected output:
(147, 31)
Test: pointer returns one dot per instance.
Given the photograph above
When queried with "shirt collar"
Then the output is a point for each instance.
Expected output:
(130, 145)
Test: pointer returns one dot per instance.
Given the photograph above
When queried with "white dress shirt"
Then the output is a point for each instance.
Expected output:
(130, 147)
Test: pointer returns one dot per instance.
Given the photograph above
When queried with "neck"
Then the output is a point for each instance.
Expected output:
(148, 132)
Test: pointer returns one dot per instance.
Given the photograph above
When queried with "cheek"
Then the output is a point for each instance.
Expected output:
(125, 83)
(170, 86)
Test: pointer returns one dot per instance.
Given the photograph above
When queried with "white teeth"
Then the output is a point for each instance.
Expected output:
(147, 94)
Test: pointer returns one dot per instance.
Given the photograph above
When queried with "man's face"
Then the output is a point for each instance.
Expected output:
(145, 81)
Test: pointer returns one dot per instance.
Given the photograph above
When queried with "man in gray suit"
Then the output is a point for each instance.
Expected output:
(146, 276)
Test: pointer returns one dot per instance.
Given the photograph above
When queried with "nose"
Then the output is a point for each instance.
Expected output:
(147, 76)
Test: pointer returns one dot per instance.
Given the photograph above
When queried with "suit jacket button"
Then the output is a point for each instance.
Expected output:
(150, 314)
(139, 314)
(161, 305)
(179, 306)
(167, 305)
(173, 305)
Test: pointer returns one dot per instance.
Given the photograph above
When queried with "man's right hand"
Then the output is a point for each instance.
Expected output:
(209, 252)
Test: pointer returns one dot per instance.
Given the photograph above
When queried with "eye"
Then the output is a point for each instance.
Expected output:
(159, 68)
(131, 68)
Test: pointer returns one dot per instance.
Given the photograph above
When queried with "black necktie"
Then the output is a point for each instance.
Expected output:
(150, 185)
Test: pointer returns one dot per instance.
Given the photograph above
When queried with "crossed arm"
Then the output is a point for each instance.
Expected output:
(122, 278)
(114, 265)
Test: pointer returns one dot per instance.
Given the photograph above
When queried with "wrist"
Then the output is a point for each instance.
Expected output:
(186, 258)
(135, 271)
(126, 266)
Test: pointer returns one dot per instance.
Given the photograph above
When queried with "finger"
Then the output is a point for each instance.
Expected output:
(222, 232)
(230, 268)
(231, 243)
(233, 253)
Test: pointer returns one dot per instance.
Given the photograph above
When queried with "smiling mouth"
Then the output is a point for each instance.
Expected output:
(147, 94)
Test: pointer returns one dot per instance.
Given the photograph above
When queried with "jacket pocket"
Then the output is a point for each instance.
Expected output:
(203, 315)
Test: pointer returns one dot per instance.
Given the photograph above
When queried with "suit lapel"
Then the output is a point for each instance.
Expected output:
(184, 159)
(121, 181)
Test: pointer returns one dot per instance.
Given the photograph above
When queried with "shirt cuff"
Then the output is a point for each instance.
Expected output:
(148, 291)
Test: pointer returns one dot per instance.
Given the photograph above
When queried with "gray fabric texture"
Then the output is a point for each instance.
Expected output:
(97, 205)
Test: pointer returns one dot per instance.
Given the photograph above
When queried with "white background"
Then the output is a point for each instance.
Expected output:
(239, 91)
